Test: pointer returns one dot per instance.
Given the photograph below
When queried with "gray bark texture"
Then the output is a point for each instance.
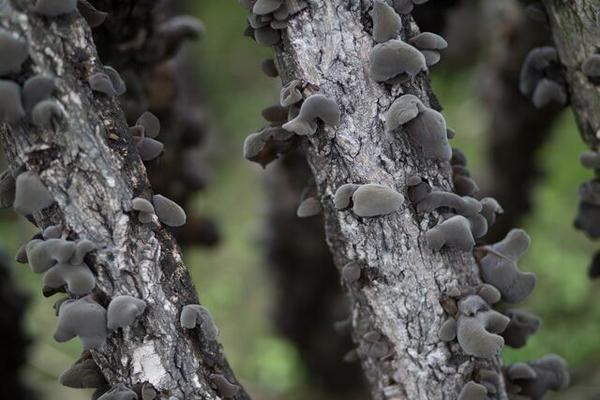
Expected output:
(327, 44)
(89, 165)
(576, 33)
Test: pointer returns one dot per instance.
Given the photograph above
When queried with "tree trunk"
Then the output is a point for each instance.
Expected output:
(327, 44)
(91, 169)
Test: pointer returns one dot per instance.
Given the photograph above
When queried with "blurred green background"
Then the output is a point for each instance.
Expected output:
(231, 278)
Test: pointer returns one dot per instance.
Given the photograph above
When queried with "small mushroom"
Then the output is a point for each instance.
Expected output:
(150, 123)
(44, 112)
(224, 388)
(168, 212)
(447, 332)
(351, 272)
(52, 232)
(116, 80)
(43, 254)
(93, 16)
(291, 93)
(520, 370)
(316, 107)
(119, 392)
(499, 267)
(548, 91)
(374, 200)
(264, 7)
(591, 66)
(428, 130)
(406, 6)
(10, 102)
(31, 195)
(36, 89)
(145, 209)
(343, 196)
(195, 314)
(473, 391)
(78, 278)
(14, 53)
(590, 159)
(149, 149)
(84, 374)
(428, 41)
(309, 207)
(453, 232)
(123, 311)
(83, 318)
(148, 392)
(490, 209)
(465, 206)
(477, 335)
(101, 82)
(386, 22)
(267, 144)
(522, 325)
(551, 373)
(267, 36)
(54, 8)
(275, 114)
(404, 109)
(489, 293)
(396, 59)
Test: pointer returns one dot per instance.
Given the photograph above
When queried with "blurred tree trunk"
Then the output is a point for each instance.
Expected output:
(14, 340)
(88, 163)
(398, 295)
(517, 129)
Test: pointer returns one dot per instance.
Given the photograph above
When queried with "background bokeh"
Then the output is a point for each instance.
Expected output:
(231, 278)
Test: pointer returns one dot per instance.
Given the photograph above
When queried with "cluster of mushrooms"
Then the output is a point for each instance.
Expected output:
(67, 261)
(475, 322)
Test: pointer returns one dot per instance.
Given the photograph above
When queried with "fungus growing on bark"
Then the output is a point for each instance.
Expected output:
(84, 374)
(14, 53)
(472, 391)
(43, 254)
(267, 144)
(267, 36)
(590, 159)
(588, 213)
(52, 232)
(386, 22)
(149, 149)
(275, 114)
(309, 207)
(591, 66)
(520, 370)
(92, 16)
(343, 196)
(101, 82)
(489, 293)
(499, 267)
(465, 206)
(31, 195)
(150, 124)
(464, 185)
(83, 318)
(119, 392)
(44, 111)
(429, 43)
(490, 209)
(477, 331)
(418, 192)
(224, 388)
(145, 209)
(428, 130)
(351, 272)
(522, 325)
(123, 311)
(269, 68)
(54, 8)
(447, 332)
(195, 314)
(479, 225)
(490, 379)
(541, 77)
(10, 102)
(78, 278)
(316, 107)
(551, 373)
(374, 200)
(291, 93)
(396, 60)
(168, 212)
(406, 6)
(82, 248)
(403, 109)
(453, 232)
(148, 391)
(36, 89)
(264, 7)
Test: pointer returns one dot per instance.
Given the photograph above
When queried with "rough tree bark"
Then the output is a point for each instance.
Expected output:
(576, 33)
(327, 44)
(92, 170)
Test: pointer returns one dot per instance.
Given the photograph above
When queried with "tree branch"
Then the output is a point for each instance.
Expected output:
(93, 171)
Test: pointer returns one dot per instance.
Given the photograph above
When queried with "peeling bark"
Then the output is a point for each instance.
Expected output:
(327, 44)
(89, 165)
